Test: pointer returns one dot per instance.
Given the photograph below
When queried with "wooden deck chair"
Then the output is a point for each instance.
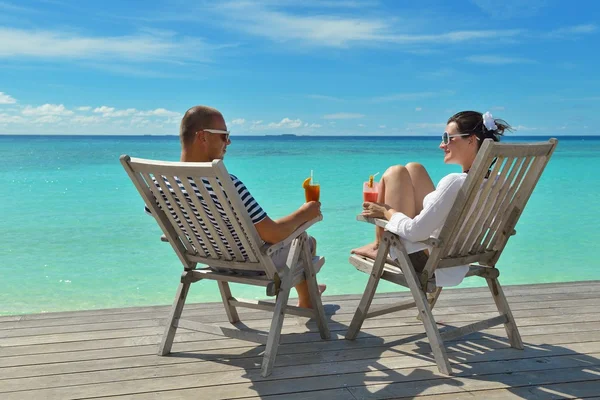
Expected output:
(226, 252)
(475, 233)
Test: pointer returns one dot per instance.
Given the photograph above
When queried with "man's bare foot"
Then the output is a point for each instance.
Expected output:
(368, 250)
(307, 303)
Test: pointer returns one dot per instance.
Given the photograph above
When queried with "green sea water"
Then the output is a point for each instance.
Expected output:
(74, 235)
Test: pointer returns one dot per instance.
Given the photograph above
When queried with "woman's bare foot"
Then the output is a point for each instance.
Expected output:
(368, 250)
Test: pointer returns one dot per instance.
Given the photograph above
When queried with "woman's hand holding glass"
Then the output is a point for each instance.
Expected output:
(374, 210)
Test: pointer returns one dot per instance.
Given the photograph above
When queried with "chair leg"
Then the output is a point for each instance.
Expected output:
(171, 327)
(503, 308)
(279, 311)
(313, 289)
(432, 299)
(232, 314)
(433, 334)
(367, 298)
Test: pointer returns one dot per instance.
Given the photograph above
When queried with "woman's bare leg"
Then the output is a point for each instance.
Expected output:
(396, 189)
(422, 184)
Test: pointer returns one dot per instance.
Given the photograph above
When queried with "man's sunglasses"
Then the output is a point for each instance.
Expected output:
(446, 136)
(219, 132)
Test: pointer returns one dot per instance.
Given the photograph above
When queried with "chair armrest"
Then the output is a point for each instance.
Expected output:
(269, 248)
(382, 223)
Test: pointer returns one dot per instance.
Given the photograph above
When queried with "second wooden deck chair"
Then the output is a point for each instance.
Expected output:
(475, 233)
(214, 229)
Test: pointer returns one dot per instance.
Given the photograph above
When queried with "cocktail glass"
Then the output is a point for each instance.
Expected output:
(312, 191)
(370, 193)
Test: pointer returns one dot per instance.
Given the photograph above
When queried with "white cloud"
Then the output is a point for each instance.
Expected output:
(111, 112)
(419, 109)
(46, 109)
(499, 60)
(361, 125)
(104, 109)
(319, 29)
(6, 99)
(123, 113)
(11, 119)
(68, 45)
(47, 119)
(382, 126)
(583, 29)
(238, 121)
(508, 9)
(525, 128)
(86, 119)
(161, 112)
(286, 123)
(85, 108)
(343, 115)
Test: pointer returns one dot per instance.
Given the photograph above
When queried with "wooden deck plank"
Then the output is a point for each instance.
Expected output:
(292, 326)
(344, 305)
(319, 364)
(379, 384)
(446, 314)
(194, 341)
(590, 287)
(104, 353)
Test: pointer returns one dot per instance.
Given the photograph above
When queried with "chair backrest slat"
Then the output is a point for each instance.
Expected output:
(493, 207)
(195, 229)
(486, 211)
(487, 203)
(199, 222)
(143, 187)
(505, 203)
(223, 247)
(518, 202)
(201, 213)
(233, 219)
(477, 207)
(166, 203)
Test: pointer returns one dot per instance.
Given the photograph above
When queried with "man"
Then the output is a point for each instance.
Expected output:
(204, 137)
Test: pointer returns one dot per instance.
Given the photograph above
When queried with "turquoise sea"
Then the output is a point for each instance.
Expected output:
(74, 235)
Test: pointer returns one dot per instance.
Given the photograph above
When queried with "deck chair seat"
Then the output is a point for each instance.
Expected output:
(392, 272)
(203, 218)
(475, 233)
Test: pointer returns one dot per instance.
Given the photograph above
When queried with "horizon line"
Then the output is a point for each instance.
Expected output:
(271, 135)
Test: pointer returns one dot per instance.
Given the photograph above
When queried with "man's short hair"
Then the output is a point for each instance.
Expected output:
(194, 120)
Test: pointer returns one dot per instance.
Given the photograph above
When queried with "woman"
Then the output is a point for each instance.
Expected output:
(414, 208)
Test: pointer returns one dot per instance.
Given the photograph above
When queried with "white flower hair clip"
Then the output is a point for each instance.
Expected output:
(488, 122)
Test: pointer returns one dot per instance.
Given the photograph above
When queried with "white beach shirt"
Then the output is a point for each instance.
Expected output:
(429, 222)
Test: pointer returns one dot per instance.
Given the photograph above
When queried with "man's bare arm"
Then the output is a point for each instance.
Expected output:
(275, 231)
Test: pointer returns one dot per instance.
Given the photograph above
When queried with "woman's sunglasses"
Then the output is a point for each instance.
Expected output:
(446, 136)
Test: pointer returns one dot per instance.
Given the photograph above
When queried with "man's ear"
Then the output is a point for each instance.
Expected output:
(200, 137)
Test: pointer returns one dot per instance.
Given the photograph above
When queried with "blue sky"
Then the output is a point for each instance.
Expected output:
(348, 67)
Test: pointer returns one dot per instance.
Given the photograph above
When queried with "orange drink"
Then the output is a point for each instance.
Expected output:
(312, 190)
